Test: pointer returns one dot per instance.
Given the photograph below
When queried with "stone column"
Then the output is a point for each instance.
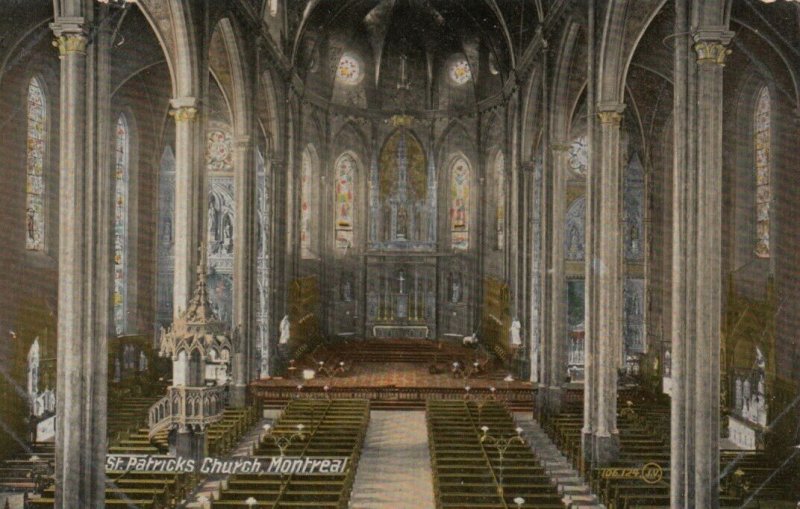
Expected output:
(82, 284)
(186, 230)
(558, 277)
(279, 255)
(244, 266)
(682, 474)
(711, 49)
(608, 277)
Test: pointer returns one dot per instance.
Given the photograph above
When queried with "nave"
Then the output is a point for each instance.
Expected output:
(463, 448)
(350, 220)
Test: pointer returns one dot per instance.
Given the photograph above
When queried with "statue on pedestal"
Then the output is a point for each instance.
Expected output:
(284, 337)
(516, 326)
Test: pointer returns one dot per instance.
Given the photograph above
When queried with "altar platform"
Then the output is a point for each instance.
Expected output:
(397, 374)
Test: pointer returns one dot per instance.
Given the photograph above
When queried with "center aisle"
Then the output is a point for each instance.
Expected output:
(394, 471)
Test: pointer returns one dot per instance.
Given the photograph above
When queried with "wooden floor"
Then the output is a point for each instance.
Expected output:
(395, 374)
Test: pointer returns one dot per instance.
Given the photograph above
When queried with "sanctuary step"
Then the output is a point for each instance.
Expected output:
(480, 460)
(394, 471)
(393, 374)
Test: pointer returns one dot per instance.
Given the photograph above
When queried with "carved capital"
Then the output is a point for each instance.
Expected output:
(711, 52)
(184, 113)
(184, 109)
(528, 166)
(610, 113)
(559, 147)
(70, 35)
(610, 117)
(71, 43)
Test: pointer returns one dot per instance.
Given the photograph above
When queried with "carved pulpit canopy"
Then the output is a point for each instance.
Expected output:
(199, 328)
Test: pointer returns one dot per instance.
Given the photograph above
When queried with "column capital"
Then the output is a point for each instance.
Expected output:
(184, 109)
(711, 45)
(528, 166)
(559, 146)
(610, 113)
(71, 35)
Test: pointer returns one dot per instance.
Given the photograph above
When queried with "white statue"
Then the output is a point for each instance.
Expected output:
(516, 340)
(284, 338)
(470, 340)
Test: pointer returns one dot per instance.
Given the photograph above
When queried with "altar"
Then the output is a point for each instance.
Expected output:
(401, 296)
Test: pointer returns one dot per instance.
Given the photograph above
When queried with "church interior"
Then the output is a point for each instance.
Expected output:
(493, 253)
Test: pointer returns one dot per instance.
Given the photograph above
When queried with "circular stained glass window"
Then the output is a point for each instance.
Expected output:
(349, 70)
(579, 156)
(460, 72)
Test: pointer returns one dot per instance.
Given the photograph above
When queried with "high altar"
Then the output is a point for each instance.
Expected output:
(409, 269)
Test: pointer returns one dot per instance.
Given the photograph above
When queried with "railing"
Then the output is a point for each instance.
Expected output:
(187, 406)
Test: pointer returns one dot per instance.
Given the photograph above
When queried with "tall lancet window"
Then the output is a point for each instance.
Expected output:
(459, 204)
(762, 139)
(345, 191)
(306, 203)
(500, 182)
(121, 173)
(36, 154)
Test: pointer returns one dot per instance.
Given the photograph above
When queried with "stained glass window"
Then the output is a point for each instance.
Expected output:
(460, 71)
(345, 191)
(579, 156)
(762, 136)
(219, 150)
(459, 204)
(36, 153)
(305, 205)
(500, 181)
(121, 170)
(349, 70)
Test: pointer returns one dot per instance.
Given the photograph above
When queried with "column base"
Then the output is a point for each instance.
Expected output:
(554, 396)
(237, 396)
(190, 444)
(587, 446)
(606, 449)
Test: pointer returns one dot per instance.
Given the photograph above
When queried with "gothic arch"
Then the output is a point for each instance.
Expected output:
(172, 25)
(458, 130)
(228, 64)
(620, 37)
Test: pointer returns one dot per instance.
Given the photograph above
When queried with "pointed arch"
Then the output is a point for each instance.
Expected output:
(346, 170)
(460, 176)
